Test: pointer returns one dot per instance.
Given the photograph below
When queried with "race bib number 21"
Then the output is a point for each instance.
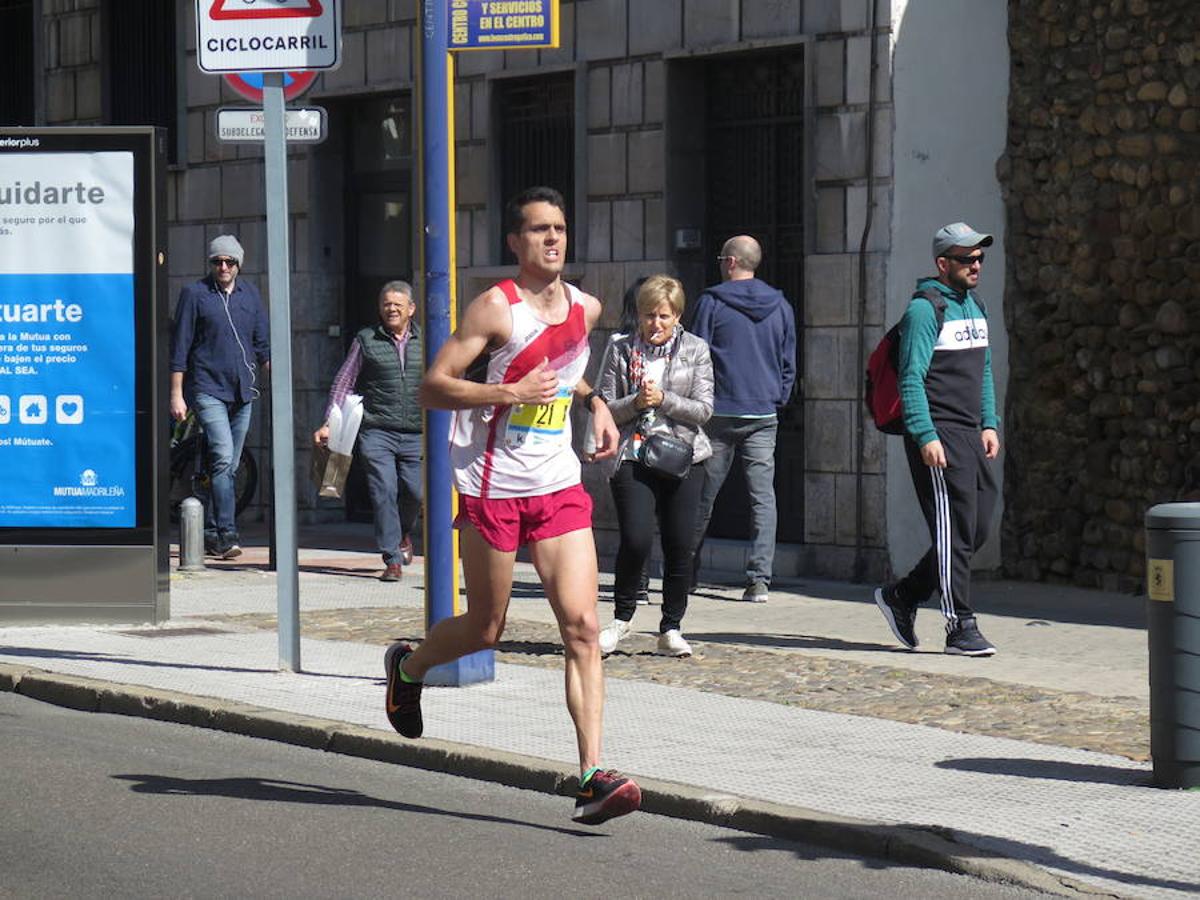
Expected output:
(539, 423)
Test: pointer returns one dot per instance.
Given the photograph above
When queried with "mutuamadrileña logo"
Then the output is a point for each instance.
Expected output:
(89, 486)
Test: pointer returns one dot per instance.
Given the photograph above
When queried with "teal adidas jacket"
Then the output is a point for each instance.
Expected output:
(946, 376)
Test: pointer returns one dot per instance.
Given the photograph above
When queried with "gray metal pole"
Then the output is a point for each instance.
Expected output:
(283, 451)
(191, 535)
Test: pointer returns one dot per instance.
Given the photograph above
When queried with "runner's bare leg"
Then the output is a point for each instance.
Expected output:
(567, 567)
(489, 575)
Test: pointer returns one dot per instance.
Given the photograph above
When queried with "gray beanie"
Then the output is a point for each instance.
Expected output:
(226, 245)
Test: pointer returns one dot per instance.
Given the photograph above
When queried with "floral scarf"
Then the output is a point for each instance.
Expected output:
(641, 350)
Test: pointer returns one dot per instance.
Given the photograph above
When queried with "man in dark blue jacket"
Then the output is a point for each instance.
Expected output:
(751, 332)
(218, 342)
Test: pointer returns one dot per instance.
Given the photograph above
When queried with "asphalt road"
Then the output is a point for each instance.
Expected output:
(128, 807)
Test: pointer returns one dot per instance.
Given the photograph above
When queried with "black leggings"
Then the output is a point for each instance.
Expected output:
(643, 498)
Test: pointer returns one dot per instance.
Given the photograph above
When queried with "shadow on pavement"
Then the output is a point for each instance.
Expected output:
(1050, 769)
(47, 653)
(1040, 855)
(973, 844)
(530, 648)
(790, 641)
(296, 792)
(992, 597)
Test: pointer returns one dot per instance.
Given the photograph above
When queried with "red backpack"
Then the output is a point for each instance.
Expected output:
(883, 372)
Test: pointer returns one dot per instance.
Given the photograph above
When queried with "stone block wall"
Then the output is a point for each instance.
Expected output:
(1102, 178)
(71, 46)
(832, 308)
(621, 54)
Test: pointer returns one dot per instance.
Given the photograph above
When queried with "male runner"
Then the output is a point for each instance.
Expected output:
(519, 483)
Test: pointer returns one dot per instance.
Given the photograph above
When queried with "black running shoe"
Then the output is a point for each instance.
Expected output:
(965, 640)
(605, 796)
(901, 618)
(403, 697)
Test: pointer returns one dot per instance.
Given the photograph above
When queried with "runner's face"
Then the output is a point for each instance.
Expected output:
(658, 325)
(395, 309)
(541, 244)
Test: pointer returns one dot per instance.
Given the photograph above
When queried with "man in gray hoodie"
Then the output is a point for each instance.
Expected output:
(751, 332)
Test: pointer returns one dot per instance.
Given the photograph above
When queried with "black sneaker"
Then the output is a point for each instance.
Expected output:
(212, 547)
(403, 697)
(965, 640)
(232, 550)
(900, 618)
(605, 796)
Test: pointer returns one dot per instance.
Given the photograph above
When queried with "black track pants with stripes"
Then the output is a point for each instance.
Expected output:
(958, 502)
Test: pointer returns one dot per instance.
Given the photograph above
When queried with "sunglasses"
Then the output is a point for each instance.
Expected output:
(966, 260)
(223, 261)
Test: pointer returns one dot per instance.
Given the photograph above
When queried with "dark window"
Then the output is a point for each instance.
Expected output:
(16, 62)
(379, 229)
(537, 140)
(756, 185)
(140, 53)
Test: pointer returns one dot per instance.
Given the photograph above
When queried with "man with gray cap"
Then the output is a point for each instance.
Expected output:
(218, 343)
(951, 438)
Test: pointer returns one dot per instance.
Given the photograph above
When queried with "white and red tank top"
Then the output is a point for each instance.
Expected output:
(524, 450)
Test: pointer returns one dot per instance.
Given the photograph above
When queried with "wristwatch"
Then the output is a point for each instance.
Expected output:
(588, 398)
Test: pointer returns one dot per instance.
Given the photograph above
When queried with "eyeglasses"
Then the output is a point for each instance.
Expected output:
(721, 259)
(223, 262)
(966, 260)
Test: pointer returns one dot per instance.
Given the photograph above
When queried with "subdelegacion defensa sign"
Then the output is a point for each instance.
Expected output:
(67, 338)
(503, 24)
(306, 125)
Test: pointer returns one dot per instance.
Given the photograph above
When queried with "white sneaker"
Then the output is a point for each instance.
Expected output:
(671, 643)
(611, 634)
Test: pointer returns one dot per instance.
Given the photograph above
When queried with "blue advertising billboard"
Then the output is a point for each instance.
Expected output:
(502, 24)
(66, 340)
(82, 356)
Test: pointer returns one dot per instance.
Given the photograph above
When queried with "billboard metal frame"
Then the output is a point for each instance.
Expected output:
(121, 574)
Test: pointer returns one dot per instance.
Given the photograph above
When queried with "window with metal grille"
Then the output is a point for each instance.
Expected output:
(16, 62)
(140, 59)
(536, 119)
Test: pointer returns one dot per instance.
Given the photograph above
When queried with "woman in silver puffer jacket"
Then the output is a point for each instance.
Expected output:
(657, 380)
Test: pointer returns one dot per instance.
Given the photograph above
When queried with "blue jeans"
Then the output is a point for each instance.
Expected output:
(754, 441)
(394, 484)
(225, 426)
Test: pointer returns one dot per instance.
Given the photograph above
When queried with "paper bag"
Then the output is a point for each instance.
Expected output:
(329, 471)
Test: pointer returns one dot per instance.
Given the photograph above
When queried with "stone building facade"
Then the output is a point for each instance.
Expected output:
(1102, 189)
(1067, 129)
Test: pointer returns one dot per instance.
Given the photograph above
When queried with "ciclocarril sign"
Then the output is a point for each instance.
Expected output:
(268, 35)
(267, 42)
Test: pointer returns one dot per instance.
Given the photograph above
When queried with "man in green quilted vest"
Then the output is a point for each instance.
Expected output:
(385, 364)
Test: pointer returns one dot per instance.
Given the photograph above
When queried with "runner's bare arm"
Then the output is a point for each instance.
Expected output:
(486, 323)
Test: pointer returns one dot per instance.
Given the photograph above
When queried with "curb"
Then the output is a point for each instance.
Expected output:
(909, 845)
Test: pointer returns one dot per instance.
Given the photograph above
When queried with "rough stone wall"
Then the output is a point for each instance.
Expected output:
(1102, 182)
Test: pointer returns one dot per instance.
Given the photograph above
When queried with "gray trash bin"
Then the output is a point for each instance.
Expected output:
(1173, 619)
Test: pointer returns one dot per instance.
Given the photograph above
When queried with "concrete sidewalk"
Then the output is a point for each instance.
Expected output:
(965, 801)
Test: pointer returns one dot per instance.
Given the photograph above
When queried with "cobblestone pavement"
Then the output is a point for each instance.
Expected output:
(975, 705)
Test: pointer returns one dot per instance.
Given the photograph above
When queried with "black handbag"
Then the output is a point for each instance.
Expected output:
(666, 455)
